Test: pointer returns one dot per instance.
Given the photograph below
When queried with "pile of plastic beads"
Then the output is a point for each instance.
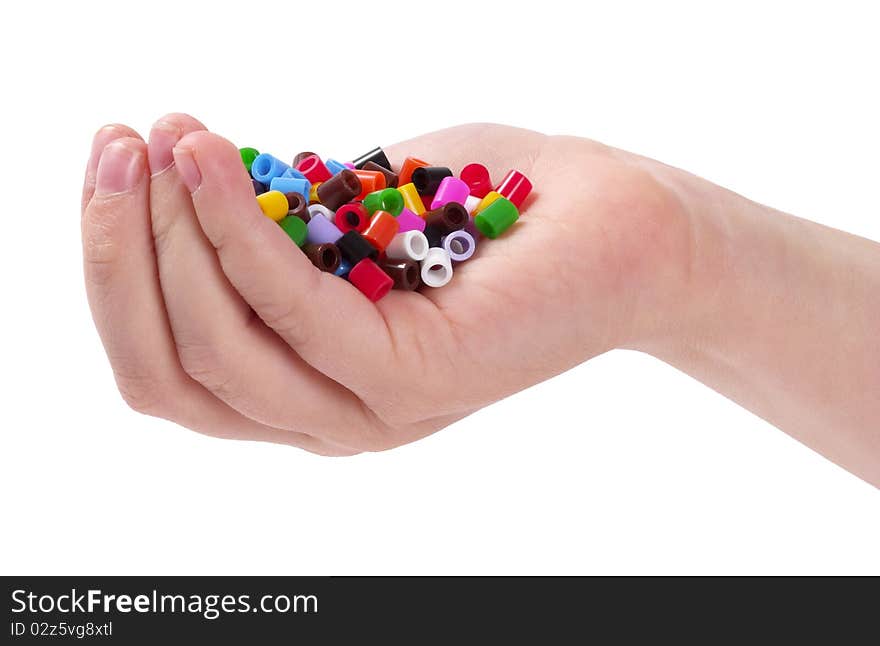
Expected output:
(382, 229)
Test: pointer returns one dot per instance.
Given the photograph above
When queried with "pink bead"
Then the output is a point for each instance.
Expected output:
(451, 189)
(515, 187)
(409, 221)
(349, 165)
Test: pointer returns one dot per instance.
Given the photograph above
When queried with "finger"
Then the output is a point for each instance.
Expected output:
(219, 342)
(103, 137)
(324, 319)
(126, 303)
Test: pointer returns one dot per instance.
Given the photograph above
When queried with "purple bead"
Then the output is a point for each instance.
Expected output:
(321, 230)
(460, 245)
(409, 221)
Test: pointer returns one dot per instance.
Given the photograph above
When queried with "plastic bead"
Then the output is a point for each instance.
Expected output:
(515, 187)
(377, 156)
(273, 204)
(470, 204)
(352, 217)
(321, 230)
(411, 198)
(436, 268)
(404, 273)
(319, 210)
(291, 185)
(314, 169)
(265, 168)
(427, 178)
(248, 155)
(349, 165)
(388, 199)
(409, 221)
(325, 257)
(406, 170)
(390, 175)
(292, 172)
(451, 189)
(300, 156)
(368, 277)
(259, 187)
(297, 205)
(339, 189)
(371, 181)
(496, 218)
(476, 176)
(411, 245)
(334, 166)
(354, 247)
(460, 245)
(381, 230)
(491, 196)
(295, 228)
(343, 269)
(448, 218)
(313, 193)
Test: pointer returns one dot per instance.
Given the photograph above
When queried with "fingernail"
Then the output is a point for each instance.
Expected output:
(187, 168)
(119, 169)
(103, 137)
(162, 139)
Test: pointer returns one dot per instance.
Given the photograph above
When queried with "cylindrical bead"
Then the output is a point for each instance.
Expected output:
(273, 204)
(292, 172)
(291, 185)
(410, 245)
(339, 189)
(322, 230)
(496, 218)
(436, 268)
(404, 273)
(377, 156)
(313, 193)
(343, 269)
(352, 216)
(490, 197)
(321, 211)
(390, 175)
(449, 217)
(451, 189)
(265, 168)
(313, 168)
(298, 206)
(248, 155)
(388, 199)
(409, 221)
(300, 156)
(515, 187)
(471, 203)
(411, 198)
(371, 181)
(295, 228)
(325, 256)
(460, 245)
(381, 230)
(368, 277)
(476, 176)
(334, 166)
(427, 178)
(406, 170)
(354, 247)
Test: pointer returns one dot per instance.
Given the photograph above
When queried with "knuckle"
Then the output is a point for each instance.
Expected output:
(205, 363)
(143, 394)
(101, 247)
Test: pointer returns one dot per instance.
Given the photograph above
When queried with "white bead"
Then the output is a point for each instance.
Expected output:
(436, 267)
(471, 203)
(320, 209)
(409, 245)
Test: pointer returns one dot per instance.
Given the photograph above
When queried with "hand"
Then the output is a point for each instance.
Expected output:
(212, 318)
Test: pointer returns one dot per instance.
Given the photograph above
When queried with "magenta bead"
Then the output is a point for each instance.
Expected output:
(349, 165)
(451, 189)
(409, 221)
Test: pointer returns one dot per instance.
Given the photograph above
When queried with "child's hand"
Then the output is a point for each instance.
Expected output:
(212, 318)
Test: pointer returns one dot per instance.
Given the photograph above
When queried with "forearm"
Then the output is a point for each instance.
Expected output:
(782, 316)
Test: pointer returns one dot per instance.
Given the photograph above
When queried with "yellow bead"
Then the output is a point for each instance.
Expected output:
(274, 204)
(411, 198)
(491, 196)
(313, 193)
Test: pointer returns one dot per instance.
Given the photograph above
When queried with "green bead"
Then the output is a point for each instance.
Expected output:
(296, 228)
(388, 199)
(496, 218)
(248, 155)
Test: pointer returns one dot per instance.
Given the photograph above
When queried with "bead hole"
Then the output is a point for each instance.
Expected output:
(418, 246)
(328, 257)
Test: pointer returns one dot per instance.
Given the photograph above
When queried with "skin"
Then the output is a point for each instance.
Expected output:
(212, 319)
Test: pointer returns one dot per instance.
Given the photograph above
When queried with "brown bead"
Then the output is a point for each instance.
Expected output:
(405, 274)
(450, 217)
(300, 157)
(325, 257)
(339, 189)
(296, 205)
(390, 176)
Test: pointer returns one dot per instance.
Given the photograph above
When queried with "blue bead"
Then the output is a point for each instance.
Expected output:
(334, 166)
(343, 269)
(292, 172)
(265, 168)
(291, 185)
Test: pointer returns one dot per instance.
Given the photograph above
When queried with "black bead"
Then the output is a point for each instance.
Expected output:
(427, 178)
(377, 156)
(354, 247)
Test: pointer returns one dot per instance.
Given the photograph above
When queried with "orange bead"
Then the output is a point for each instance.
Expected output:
(383, 227)
(406, 171)
(371, 180)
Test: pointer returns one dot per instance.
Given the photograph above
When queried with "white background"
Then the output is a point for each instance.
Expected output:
(620, 466)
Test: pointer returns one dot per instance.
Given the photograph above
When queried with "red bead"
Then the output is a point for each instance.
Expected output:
(515, 187)
(371, 181)
(352, 216)
(314, 169)
(476, 176)
(370, 279)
